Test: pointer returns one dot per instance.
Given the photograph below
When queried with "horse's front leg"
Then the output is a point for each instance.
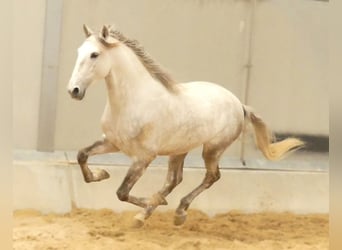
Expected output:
(135, 171)
(99, 147)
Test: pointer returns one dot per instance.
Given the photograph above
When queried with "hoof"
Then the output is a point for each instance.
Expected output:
(138, 221)
(179, 219)
(100, 174)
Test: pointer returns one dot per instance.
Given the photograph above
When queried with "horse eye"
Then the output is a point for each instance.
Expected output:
(94, 55)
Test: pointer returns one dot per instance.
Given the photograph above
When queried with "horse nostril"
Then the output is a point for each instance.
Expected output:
(75, 91)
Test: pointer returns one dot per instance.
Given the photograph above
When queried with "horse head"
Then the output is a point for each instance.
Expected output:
(93, 61)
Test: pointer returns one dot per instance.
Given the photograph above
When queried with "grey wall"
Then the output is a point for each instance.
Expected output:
(195, 40)
(289, 83)
(27, 47)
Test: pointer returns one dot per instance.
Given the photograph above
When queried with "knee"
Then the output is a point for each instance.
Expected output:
(211, 178)
(82, 157)
(122, 195)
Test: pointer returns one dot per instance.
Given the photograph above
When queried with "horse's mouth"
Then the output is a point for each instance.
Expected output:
(78, 98)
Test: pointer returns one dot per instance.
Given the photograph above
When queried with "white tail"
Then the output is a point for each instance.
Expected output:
(263, 137)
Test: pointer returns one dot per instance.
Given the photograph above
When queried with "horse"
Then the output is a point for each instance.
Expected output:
(148, 114)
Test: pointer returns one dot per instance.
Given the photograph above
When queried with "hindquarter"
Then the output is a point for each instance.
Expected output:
(214, 106)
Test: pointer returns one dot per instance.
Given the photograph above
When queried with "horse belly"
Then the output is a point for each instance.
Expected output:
(180, 143)
(188, 137)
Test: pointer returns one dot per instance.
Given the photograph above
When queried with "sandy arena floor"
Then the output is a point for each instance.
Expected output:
(102, 229)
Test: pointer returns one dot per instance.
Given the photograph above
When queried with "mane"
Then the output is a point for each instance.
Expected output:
(155, 69)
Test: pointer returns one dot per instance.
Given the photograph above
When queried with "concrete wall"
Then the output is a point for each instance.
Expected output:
(195, 40)
(56, 187)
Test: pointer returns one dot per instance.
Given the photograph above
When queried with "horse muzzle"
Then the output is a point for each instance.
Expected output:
(76, 93)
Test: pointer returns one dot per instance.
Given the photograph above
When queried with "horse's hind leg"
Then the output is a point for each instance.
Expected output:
(174, 177)
(99, 147)
(211, 155)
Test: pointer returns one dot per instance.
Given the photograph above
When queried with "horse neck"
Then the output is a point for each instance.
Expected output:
(129, 80)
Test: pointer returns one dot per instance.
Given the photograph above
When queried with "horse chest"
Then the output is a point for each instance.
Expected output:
(129, 136)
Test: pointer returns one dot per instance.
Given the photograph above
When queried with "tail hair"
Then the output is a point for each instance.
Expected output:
(263, 137)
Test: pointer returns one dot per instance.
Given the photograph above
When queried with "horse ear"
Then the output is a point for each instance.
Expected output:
(104, 31)
(88, 32)
(106, 37)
